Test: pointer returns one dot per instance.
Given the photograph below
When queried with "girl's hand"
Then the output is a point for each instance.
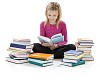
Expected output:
(47, 44)
(54, 46)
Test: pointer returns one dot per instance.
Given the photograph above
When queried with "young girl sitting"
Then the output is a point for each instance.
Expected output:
(53, 25)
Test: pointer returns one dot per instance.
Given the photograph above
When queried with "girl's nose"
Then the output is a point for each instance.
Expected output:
(51, 17)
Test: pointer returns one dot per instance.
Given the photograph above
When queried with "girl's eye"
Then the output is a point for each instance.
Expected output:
(49, 15)
(54, 15)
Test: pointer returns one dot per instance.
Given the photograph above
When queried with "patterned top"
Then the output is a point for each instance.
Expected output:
(49, 31)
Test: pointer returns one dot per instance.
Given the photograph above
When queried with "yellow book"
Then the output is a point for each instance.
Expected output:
(85, 39)
(73, 57)
(43, 56)
(87, 51)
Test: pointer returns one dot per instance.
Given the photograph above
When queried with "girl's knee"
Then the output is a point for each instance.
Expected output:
(73, 46)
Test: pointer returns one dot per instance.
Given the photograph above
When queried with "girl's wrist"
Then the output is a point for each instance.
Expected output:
(56, 45)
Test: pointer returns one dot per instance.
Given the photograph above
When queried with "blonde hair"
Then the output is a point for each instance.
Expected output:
(56, 7)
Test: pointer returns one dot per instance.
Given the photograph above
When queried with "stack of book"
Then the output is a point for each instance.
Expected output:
(73, 58)
(19, 51)
(85, 44)
(41, 59)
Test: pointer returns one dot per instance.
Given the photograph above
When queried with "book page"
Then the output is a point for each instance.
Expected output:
(56, 35)
(43, 39)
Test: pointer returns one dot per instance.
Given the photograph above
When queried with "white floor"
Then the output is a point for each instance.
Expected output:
(88, 73)
(21, 18)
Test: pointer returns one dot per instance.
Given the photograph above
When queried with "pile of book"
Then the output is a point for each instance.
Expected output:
(19, 51)
(73, 58)
(85, 45)
(41, 59)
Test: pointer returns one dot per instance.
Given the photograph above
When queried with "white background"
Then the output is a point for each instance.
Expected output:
(22, 18)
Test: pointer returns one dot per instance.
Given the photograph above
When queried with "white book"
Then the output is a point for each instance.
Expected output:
(21, 40)
(19, 49)
(17, 53)
(70, 60)
(85, 40)
(83, 48)
(19, 56)
(22, 43)
(87, 55)
(86, 44)
(16, 61)
(88, 58)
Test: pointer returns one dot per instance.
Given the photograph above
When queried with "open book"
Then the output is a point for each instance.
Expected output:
(54, 39)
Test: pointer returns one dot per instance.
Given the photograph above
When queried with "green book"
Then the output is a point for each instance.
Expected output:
(40, 64)
(73, 64)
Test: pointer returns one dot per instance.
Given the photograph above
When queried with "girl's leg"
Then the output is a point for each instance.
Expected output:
(59, 52)
(41, 49)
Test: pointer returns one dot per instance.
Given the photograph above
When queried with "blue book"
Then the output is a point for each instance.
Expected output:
(73, 52)
(20, 46)
(54, 39)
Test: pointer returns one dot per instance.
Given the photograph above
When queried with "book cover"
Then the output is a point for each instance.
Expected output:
(41, 56)
(73, 52)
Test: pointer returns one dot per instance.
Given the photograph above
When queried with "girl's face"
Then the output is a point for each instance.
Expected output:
(52, 15)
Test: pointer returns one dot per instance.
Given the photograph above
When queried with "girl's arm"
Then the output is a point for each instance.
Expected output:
(64, 33)
(42, 29)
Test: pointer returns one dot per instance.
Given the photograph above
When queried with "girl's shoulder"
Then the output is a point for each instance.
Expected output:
(42, 23)
(62, 23)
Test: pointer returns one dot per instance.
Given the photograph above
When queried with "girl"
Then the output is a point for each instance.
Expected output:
(53, 25)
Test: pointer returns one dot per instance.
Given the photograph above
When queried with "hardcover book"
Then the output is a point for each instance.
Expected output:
(8, 59)
(39, 64)
(40, 61)
(73, 57)
(41, 56)
(73, 52)
(20, 46)
(73, 64)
